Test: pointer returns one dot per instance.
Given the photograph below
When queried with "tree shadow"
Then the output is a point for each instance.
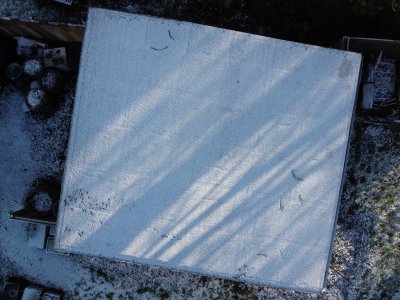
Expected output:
(217, 155)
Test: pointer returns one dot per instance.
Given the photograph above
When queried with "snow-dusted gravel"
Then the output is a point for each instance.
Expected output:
(366, 254)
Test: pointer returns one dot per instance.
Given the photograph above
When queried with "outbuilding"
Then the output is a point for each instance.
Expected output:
(207, 150)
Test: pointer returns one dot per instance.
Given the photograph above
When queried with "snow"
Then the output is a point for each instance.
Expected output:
(42, 202)
(19, 169)
(207, 150)
(363, 269)
(37, 236)
(33, 67)
(36, 98)
(28, 9)
(49, 80)
(384, 80)
(364, 272)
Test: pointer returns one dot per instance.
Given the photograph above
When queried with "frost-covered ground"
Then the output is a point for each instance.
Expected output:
(366, 252)
(366, 257)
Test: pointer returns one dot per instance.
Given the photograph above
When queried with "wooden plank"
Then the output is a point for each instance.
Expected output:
(44, 31)
(23, 215)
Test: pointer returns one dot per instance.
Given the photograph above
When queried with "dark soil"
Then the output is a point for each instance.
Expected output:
(308, 21)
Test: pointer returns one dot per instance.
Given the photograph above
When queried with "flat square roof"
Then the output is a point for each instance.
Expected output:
(208, 150)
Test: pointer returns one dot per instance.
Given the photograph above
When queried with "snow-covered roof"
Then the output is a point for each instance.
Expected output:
(208, 150)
